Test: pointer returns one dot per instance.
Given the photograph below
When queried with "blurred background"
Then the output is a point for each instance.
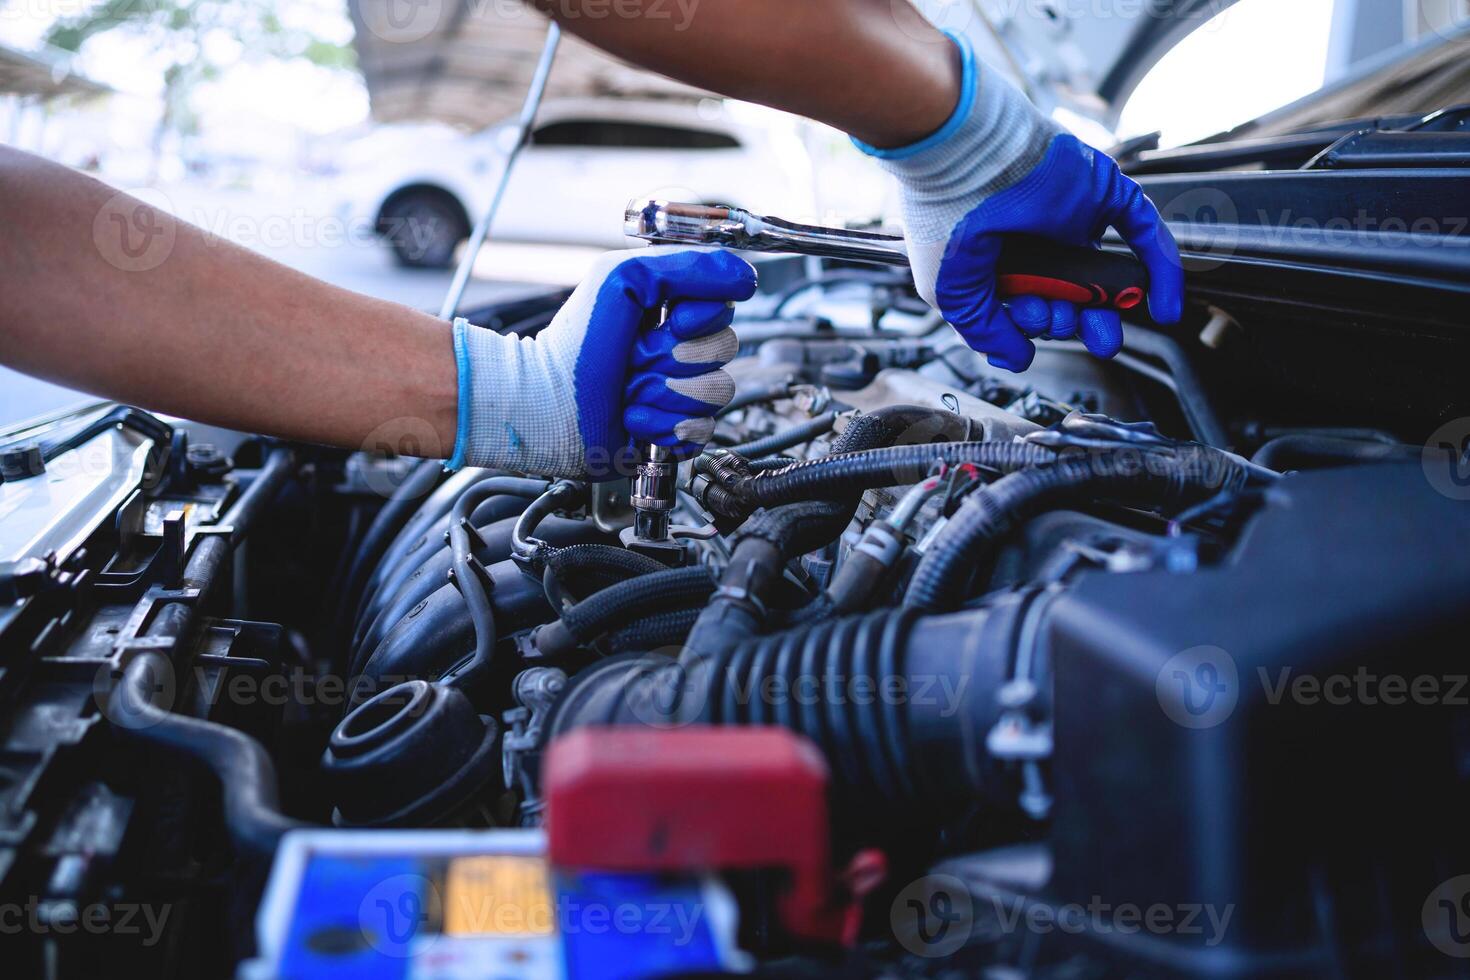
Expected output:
(358, 140)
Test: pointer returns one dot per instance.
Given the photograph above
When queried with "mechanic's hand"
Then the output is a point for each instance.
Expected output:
(570, 401)
(999, 166)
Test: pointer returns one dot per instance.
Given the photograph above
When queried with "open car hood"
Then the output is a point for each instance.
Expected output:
(1087, 57)
(468, 63)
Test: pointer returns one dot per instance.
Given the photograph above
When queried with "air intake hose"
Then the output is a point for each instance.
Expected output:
(898, 703)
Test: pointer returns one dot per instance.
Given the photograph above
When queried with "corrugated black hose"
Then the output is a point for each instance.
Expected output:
(1128, 475)
(733, 490)
(895, 758)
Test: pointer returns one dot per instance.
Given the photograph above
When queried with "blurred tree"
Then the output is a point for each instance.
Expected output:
(180, 30)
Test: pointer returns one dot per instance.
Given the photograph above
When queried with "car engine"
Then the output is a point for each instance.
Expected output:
(1149, 667)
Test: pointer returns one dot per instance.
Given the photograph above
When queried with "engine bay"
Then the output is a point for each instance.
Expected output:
(1103, 670)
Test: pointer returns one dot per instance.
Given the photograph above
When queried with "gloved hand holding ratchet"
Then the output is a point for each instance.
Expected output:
(999, 166)
(570, 401)
(574, 398)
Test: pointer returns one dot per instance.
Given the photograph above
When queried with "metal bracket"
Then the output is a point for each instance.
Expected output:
(669, 550)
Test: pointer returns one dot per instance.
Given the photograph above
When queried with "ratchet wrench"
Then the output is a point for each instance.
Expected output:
(1029, 265)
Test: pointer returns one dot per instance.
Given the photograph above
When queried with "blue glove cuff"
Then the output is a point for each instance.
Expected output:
(952, 124)
(462, 412)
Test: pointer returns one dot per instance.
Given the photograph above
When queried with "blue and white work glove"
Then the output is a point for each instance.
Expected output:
(570, 401)
(996, 166)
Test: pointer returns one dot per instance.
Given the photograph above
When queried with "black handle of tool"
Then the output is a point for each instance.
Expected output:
(1034, 266)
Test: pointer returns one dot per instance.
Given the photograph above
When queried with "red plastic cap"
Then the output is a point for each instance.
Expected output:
(695, 799)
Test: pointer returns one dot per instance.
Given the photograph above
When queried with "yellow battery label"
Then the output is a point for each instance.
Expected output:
(498, 895)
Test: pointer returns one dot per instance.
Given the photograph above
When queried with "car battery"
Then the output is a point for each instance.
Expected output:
(449, 904)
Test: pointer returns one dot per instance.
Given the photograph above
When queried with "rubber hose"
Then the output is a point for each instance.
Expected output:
(558, 496)
(622, 604)
(1155, 478)
(243, 768)
(797, 435)
(274, 473)
(241, 765)
(868, 430)
(857, 580)
(390, 519)
(849, 473)
(898, 703)
(422, 582)
(1194, 398)
(763, 546)
(595, 567)
(886, 426)
(665, 629)
(467, 578)
(1295, 452)
(795, 529)
(837, 277)
(429, 544)
(433, 509)
(766, 541)
(756, 396)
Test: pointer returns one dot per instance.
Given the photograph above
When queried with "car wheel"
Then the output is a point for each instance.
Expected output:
(423, 227)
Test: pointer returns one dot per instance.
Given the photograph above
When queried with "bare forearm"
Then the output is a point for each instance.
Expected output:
(107, 295)
(872, 68)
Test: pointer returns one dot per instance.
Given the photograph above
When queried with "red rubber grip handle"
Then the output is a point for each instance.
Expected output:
(1032, 266)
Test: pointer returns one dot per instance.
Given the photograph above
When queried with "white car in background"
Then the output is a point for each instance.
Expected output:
(585, 159)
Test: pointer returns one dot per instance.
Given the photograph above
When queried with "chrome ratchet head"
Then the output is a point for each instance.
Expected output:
(669, 223)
